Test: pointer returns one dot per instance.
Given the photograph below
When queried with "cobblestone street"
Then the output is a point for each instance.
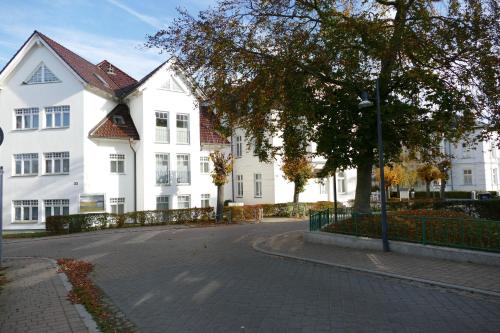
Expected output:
(212, 280)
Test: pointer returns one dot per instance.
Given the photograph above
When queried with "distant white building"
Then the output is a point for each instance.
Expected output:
(474, 168)
(256, 182)
(81, 137)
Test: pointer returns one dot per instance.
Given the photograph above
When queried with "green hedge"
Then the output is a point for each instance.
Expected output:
(98, 221)
(450, 194)
(484, 209)
(250, 212)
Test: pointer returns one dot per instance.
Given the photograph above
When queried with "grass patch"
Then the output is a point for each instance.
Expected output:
(26, 235)
(85, 292)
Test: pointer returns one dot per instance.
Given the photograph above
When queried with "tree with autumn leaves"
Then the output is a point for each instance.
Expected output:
(298, 171)
(436, 61)
(223, 165)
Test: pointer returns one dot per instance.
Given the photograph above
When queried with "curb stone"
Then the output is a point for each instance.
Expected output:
(257, 243)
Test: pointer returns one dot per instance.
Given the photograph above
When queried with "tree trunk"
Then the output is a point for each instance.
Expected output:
(442, 194)
(220, 204)
(364, 184)
(427, 189)
(295, 194)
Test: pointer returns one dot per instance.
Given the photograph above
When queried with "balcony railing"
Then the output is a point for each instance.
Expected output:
(163, 178)
(183, 136)
(162, 134)
(183, 177)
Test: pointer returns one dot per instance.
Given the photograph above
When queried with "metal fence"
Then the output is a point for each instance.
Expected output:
(458, 232)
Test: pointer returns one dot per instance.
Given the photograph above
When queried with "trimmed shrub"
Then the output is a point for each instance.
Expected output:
(485, 209)
(250, 212)
(68, 224)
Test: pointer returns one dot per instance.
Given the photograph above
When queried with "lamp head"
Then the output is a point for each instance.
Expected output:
(365, 102)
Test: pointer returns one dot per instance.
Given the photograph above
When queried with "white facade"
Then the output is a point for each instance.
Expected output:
(50, 165)
(473, 168)
(248, 172)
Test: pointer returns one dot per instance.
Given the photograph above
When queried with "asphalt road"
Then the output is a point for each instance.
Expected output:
(211, 280)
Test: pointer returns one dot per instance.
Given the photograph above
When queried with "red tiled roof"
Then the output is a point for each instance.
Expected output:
(119, 77)
(208, 133)
(108, 129)
(90, 73)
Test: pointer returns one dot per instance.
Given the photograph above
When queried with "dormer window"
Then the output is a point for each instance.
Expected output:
(102, 80)
(110, 70)
(42, 74)
(119, 120)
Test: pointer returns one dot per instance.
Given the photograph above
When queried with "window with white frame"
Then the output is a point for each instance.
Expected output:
(26, 164)
(257, 186)
(42, 74)
(56, 163)
(239, 186)
(341, 182)
(27, 118)
(205, 200)
(204, 164)
(494, 150)
(183, 201)
(117, 205)
(162, 202)
(494, 176)
(57, 116)
(182, 128)
(465, 151)
(322, 186)
(117, 163)
(162, 134)
(183, 174)
(172, 84)
(162, 169)
(239, 146)
(467, 177)
(25, 210)
(56, 207)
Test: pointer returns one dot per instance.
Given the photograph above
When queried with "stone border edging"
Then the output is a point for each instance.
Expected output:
(85, 316)
(255, 246)
(415, 249)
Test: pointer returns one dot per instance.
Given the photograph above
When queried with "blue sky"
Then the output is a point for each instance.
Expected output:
(95, 29)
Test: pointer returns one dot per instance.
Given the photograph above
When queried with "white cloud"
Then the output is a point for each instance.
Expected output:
(152, 21)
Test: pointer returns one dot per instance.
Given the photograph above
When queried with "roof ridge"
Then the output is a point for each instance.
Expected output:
(84, 68)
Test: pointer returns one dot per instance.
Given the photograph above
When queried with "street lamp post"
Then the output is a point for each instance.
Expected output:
(383, 207)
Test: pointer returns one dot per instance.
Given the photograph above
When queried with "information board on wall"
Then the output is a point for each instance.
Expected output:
(92, 203)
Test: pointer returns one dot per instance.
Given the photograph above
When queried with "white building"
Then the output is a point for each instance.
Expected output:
(473, 168)
(256, 182)
(81, 137)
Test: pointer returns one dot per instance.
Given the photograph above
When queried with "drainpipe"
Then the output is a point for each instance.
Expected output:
(130, 141)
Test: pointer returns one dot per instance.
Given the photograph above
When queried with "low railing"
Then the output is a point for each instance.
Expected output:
(162, 134)
(458, 232)
(322, 218)
(182, 136)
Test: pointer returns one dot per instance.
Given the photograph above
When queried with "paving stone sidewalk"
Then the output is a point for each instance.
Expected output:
(481, 277)
(34, 299)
